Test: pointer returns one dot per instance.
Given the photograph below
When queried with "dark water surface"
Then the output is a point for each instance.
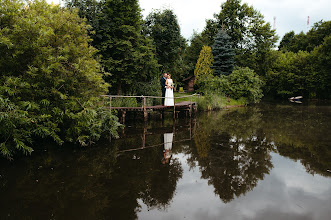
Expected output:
(261, 162)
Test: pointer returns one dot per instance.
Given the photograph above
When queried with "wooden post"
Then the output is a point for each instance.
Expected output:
(110, 103)
(144, 108)
(123, 116)
(174, 107)
(144, 136)
(196, 104)
(190, 111)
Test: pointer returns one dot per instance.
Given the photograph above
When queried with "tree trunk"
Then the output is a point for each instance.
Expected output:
(119, 88)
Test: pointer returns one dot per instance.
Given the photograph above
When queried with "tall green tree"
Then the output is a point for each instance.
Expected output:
(223, 54)
(163, 28)
(321, 62)
(50, 81)
(251, 37)
(204, 63)
(126, 54)
(192, 51)
(306, 41)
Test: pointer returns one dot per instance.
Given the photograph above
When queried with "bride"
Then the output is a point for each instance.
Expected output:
(169, 94)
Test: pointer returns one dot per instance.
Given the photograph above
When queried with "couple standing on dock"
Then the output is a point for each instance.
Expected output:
(167, 87)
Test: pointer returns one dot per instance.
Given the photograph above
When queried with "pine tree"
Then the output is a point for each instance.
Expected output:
(204, 63)
(223, 54)
(126, 54)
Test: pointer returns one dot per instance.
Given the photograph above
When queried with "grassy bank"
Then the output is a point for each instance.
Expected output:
(211, 101)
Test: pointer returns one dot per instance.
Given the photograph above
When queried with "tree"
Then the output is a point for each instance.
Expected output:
(251, 37)
(286, 41)
(192, 51)
(89, 10)
(321, 62)
(163, 28)
(289, 75)
(223, 54)
(204, 63)
(244, 82)
(50, 79)
(125, 53)
(306, 42)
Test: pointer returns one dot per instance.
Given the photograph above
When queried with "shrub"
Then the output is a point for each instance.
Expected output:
(242, 83)
(50, 81)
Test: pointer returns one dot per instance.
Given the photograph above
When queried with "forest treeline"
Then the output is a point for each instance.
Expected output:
(56, 61)
(136, 51)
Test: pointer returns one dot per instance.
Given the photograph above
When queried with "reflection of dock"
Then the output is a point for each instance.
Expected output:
(160, 131)
(183, 106)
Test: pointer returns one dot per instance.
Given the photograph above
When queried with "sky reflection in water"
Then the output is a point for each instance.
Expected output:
(289, 192)
(260, 162)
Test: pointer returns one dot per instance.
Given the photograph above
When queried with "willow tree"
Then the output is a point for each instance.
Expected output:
(50, 81)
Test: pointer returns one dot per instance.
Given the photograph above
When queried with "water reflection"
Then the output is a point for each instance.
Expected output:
(154, 167)
(233, 162)
(167, 151)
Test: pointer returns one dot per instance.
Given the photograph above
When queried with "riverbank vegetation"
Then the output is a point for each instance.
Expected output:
(51, 79)
(56, 61)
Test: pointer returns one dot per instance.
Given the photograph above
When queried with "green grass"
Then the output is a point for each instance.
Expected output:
(212, 101)
(206, 102)
(216, 101)
(177, 95)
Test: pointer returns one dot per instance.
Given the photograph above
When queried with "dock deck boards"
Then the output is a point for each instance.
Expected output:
(179, 105)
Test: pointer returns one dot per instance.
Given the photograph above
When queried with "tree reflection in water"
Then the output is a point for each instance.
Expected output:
(231, 148)
(233, 159)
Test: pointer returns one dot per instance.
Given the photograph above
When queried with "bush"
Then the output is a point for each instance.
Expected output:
(244, 82)
(50, 82)
(151, 88)
(241, 83)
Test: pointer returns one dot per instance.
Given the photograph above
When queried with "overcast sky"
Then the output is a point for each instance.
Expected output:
(290, 14)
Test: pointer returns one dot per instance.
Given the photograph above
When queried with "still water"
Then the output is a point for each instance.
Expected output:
(261, 162)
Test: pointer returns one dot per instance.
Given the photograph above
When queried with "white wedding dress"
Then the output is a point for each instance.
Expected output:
(169, 95)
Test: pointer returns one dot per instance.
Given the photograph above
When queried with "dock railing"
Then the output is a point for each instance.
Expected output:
(145, 104)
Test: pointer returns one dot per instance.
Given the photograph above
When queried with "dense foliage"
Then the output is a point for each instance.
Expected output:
(306, 42)
(251, 36)
(204, 63)
(241, 83)
(223, 54)
(50, 80)
(302, 64)
(126, 54)
(163, 28)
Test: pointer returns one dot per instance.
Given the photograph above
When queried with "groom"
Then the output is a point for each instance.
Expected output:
(163, 86)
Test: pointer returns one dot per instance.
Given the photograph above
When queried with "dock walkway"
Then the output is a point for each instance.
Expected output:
(186, 106)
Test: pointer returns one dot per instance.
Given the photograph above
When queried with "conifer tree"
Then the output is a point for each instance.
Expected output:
(204, 63)
(223, 54)
(126, 54)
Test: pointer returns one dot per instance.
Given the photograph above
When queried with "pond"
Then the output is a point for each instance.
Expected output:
(269, 161)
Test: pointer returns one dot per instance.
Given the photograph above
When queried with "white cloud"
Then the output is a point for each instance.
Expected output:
(290, 14)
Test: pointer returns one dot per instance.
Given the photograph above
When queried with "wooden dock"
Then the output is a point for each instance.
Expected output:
(184, 106)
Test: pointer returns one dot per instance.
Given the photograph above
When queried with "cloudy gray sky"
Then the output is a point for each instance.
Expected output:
(290, 14)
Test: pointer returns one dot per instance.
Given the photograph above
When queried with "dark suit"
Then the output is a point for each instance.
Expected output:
(163, 88)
